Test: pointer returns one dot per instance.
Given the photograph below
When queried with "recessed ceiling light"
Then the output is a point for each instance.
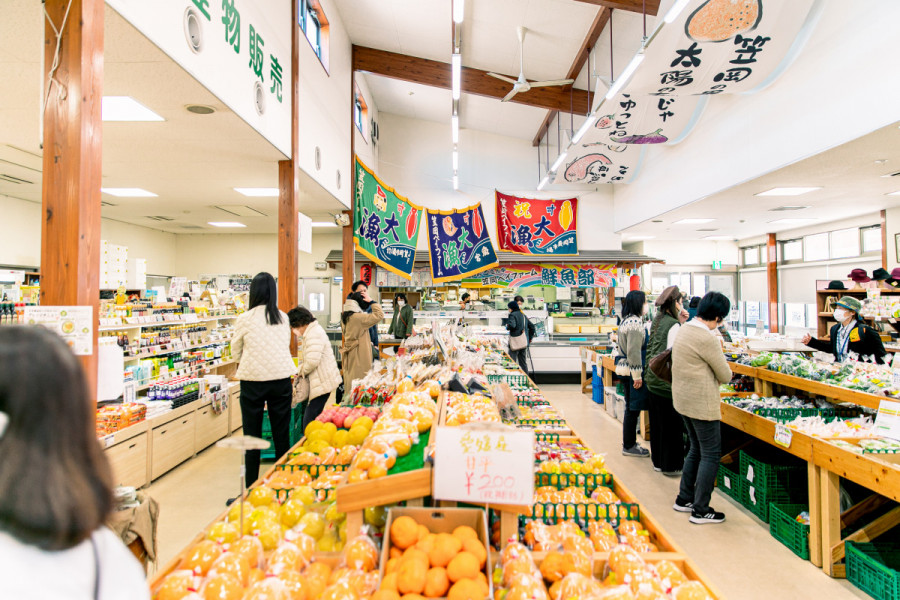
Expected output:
(791, 221)
(897, 193)
(788, 191)
(128, 192)
(656, 221)
(225, 224)
(324, 224)
(126, 108)
(784, 208)
(721, 238)
(708, 229)
(692, 221)
(632, 238)
(258, 192)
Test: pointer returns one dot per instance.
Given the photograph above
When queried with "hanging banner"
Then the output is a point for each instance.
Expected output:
(458, 244)
(386, 225)
(553, 275)
(529, 226)
(597, 162)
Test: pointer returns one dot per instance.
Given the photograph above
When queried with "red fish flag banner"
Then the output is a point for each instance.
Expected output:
(459, 244)
(385, 224)
(529, 226)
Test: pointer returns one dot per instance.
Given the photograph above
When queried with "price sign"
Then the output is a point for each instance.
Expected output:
(488, 464)
(783, 435)
(107, 440)
(887, 421)
(74, 324)
(895, 378)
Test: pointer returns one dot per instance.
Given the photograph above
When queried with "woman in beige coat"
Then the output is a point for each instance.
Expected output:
(356, 354)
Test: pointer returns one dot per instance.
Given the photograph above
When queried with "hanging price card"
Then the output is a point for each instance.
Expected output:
(887, 420)
(783, 435)
(486, 464)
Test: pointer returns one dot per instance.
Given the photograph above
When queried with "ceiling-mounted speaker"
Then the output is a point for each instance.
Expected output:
(259, 98)
(318, 159)
(338, 178)
(193, 30)
(373, 130)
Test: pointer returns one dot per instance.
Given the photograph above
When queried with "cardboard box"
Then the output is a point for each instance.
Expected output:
(442, 520)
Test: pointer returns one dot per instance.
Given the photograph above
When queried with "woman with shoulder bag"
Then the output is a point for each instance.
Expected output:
(518, 338)
(319, 366)
(667, 438)
(632, 343)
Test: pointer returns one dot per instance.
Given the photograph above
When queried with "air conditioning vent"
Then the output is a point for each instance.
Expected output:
(191, 227)
(161, 218)
(713, 229)
(894, 174)
(785, 208)
(105, 203)
(13, 179)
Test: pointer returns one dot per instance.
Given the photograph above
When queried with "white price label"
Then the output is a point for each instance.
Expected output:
(750, 473)
(895, 378)
(107, 440)
(783, 435)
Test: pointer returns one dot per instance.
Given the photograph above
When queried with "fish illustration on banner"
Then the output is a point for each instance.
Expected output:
(599, 162)
(386, 225)
(458, 243)
(529, 226)
(541, 274)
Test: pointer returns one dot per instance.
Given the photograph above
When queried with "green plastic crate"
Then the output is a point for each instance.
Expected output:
(729, 482)
(296, 431)
(873, 568)
(785, 528)
(765, 483)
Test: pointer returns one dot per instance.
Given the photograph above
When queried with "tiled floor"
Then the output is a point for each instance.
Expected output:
(739, 556)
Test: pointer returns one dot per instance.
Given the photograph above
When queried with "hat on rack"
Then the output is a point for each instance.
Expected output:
(850, 303)
(880, 275)
(667, 294)
(859, 276)
(894, 279)
(838, 285)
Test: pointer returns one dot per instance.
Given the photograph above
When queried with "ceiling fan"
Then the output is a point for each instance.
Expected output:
(521, 84)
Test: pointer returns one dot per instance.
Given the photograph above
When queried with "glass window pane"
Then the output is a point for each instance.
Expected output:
(845, 243)
(792, 250)
(751, 256)
(871, 239)
(699, 285)
(815, 247)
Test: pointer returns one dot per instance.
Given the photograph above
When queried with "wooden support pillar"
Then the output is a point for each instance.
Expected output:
(772, 278)
(348, 265)
(831, 519)
(73, 133)
(815, 513)
(884, 246)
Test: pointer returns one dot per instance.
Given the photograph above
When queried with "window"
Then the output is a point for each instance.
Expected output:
(815, 247)
(791, 250)
(315, 26)
(360, 112)
(314, 32)
(845, 243)
(752, 256)
(871, 239)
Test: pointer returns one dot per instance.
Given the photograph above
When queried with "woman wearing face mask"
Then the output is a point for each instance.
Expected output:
(402, 323)
(633, 338)
(849, 334)
(319, 364)
(356, 353)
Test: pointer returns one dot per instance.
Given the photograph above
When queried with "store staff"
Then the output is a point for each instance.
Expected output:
(849, 335)
(464, 301)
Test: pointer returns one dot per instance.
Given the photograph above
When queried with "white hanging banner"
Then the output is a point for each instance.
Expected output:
(305, 233)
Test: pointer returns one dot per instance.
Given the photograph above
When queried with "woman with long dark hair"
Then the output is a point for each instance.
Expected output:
(262, 344)
(632, 343)
(56, 488)
(356, 353)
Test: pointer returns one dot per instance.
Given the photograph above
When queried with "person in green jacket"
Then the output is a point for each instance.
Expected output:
(667, 440)
(402, 323)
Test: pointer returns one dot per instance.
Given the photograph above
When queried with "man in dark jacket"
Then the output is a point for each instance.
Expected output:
(849, 334)
(516, 324)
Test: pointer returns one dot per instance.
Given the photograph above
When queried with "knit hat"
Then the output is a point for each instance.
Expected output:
(850, 303)
(859, 276)
(667, 294)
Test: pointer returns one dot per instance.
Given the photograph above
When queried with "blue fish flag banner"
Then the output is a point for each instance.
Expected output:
(458, 243)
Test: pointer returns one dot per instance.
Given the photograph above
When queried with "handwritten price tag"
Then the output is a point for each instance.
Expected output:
(485, 464)
(783, 435)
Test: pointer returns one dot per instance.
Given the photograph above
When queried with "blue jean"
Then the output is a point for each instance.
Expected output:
(701, 463)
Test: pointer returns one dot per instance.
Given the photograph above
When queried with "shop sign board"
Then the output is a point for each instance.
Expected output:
(459, 244)
(489, 464)
(240, 50)
(541, 274)
(532, 226)
(74, 324)
(386, 225)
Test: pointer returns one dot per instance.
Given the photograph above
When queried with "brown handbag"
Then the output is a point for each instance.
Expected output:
(661, 365)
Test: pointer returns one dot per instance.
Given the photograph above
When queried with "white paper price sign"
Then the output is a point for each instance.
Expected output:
(74, 324)
(887, 421)
(484, 464)
(783, 435)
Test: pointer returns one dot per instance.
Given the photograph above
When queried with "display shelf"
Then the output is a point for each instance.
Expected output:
(128, 326)
(174, 350)
(210, 364)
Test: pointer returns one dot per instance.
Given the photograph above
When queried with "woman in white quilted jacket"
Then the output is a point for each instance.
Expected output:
(319, 364)
(262, 344)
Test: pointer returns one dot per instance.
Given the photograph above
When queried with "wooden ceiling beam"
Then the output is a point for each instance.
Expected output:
(474, 81)
(584, 53)
(637, 6)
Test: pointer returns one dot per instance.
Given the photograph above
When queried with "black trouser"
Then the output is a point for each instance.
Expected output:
(272, 396)
(630, 420)
(314, 409)
(701, 463)
(519, 356)
(666, 434)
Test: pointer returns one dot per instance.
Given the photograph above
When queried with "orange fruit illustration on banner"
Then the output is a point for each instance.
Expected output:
(566, 216)
(720, 20)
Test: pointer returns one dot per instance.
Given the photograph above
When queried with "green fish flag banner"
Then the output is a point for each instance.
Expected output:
(386, 225)
(459, 243)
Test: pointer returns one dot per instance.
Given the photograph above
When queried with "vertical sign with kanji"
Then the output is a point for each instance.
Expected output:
(458, 243)
(488, 464)
(385, 224)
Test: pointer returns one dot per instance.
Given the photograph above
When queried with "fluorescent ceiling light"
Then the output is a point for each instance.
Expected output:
(454, 128)
(721, 238)
(785, 208)
(458, 9)
(585, 127)
(258, 192)
(225, 224)
(128, 192)
(791, 221)
(324, 224)
(897, 193)
(455, 181)
(126, 108)
(456, 66)
(625, 76)
(633, 238)
(544, 182)
(788, 191)
(559, 161)
(455, 161)
(693, 221)
(675, 10)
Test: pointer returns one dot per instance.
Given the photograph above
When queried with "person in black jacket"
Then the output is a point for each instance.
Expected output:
(516, 325)
(849, 334)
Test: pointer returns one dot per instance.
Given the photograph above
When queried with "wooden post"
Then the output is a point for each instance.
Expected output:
(884, 247)
(70, 227)
(815, 513)
(349, 249)
(348, 266)
(831, 518)
(772, 277)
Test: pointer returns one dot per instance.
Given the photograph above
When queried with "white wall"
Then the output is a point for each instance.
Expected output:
(841, 71)
(156, 246)
(415, 159)
(689, 253)
(366, 150)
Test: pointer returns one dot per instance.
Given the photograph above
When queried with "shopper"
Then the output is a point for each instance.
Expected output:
(518, 335)
(402, 323)
(464, 301)
(632, 343)
(362, 288)
(698, 367)
(319, 364)
(529, 326)
(849, 334)
(666, 426)
(262, 344)
(56, 489)
(692, 307)
(356, 353)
